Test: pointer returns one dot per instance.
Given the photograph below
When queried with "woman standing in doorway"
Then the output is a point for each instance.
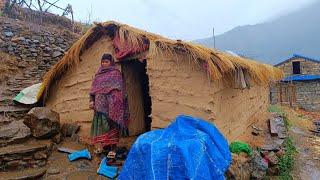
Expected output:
(107, 99)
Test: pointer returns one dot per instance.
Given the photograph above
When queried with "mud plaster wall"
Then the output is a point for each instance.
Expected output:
(177, 89)
(70, 96)
(174, 89)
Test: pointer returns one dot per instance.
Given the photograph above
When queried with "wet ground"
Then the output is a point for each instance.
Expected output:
(307, 164)
(308, 157)
(59, 167)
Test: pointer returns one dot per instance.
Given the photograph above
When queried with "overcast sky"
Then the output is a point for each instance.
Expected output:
(183, 19)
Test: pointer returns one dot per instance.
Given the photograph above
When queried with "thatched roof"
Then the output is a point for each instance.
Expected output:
(219, 64)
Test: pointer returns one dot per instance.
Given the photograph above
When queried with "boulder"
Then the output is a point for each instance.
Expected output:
(43, 122)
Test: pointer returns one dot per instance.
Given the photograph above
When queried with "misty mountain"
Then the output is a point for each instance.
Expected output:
(274, 41)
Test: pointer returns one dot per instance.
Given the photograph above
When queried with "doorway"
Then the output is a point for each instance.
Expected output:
(137, 88)
(287, 93)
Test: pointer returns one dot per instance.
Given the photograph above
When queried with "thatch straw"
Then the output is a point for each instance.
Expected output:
(219, 64)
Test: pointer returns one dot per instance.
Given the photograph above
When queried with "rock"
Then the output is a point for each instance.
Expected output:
(255, 132)
(43, 122)
(59, 40)
(38, 163)
(58, 49)
(51, 39)
(40, 155)
(13, 164)
(27, 158)
(273, 171)
(22, 64)
(34, 54)
(47, 49)
(57, 138)
(257, 174)
(10, 48)
(271, 158)
(36, 41)
(75, 138)
(17, 39)
(240, 167)
(280, 153)
(23, 56)
(12, 157)
(8, 34)
(259, 165)
(27, 174)
(7, 133)
(14, 132)
(45, 55)
(33, 50)
(52, 171)
(259, 162)
(56, 54)
(68, 129)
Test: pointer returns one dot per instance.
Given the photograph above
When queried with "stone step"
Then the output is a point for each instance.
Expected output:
(27, 155)
(13, 132)
(31, 173)
(13, 109)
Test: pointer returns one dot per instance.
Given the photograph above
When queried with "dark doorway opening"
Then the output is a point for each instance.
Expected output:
(296, 68)
(137, 86)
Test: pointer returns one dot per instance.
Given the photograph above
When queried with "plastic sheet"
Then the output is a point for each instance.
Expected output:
(189, 148)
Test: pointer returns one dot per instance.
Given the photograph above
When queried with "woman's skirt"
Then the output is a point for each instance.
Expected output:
(104, 130)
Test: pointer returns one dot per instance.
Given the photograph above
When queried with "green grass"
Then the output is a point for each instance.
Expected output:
(275, 109)
(286, 162)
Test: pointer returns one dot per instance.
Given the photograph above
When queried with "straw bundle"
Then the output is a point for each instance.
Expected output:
(220, 65)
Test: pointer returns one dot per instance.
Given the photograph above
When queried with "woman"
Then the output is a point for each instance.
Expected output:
(107, 99)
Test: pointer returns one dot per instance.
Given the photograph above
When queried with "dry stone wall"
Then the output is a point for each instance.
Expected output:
(36, 48)
(306, 94)
(307, 67)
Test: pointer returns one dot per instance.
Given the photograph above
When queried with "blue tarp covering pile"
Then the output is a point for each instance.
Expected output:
(189, 148)
(301, 78)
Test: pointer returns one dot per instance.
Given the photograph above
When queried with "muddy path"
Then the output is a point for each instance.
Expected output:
(307, 161)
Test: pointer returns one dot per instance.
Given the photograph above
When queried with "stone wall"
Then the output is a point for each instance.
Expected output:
(306, 94)
(307, 67)
(28, 51)
(35, 47)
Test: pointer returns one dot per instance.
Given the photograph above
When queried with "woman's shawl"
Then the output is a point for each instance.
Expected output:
(109, 82)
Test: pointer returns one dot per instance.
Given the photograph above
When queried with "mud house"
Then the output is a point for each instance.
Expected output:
(301, 85)
(164, 78)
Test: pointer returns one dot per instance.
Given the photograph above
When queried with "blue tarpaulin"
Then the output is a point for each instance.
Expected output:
(189, 148)
(302, 77)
